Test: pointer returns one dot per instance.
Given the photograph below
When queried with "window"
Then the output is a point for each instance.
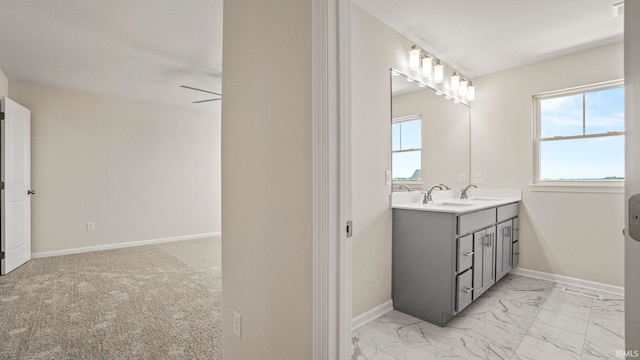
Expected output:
(406, 148)
(579, 135)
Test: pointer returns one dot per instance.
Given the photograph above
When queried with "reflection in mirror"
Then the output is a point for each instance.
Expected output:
(430, 136)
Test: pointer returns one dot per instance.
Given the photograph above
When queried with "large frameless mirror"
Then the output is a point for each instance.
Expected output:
(430, 136)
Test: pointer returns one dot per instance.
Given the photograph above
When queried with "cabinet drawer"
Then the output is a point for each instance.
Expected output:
(507, 211)
(516, 254)
(516, 229)
(465, 253)
(477, 220)
(465, 290)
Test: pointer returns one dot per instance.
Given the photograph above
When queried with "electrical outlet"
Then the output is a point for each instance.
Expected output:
(478, 178)
(237, 324)
(462, 178)
(91, 226)
(387, 177)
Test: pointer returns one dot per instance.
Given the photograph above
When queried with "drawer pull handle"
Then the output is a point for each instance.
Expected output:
(467, 290)
(518, 253)
(468, 253)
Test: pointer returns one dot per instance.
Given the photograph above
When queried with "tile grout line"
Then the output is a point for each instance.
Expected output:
(532, 321)
(584, 343)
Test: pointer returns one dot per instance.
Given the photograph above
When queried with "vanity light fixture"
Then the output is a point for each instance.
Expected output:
(438, 72)
(431, 68)
(471, 92)
(414, 58)
(455, 82)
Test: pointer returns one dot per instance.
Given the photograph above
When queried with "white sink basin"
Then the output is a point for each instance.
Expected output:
(455, 204)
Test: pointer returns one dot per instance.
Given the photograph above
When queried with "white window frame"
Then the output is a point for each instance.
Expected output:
(413, 184)
(594, 186)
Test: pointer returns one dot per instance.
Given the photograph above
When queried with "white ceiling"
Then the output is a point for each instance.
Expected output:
(140, 49)
(479, 37)
(146, 49)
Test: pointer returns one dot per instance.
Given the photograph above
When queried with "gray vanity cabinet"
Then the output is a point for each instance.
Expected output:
(443, 261)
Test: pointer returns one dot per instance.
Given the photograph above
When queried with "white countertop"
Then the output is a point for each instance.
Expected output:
(449, 201)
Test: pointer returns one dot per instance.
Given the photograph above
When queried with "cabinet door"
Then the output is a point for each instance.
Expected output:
(503, 248)
(488, 261)
(484, 266)
(516, 253)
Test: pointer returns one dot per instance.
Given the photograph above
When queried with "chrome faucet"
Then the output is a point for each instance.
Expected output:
(445, 187)
(427, 196)
(463, 194)
(405, 186)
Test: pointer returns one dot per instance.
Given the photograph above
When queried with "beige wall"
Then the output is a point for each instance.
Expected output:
(139, 170)
(572, 234)
(632, 113)
(267, 202)
(4, 84)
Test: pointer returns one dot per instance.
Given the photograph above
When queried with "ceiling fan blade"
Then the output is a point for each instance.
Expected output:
(201, 101)
(196, 89)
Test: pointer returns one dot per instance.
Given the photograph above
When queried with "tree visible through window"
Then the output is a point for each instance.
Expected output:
(580, 134)
(406, 148)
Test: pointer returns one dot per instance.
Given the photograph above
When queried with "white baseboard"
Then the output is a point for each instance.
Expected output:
(372, 314)
(120, 245)
(561, 279)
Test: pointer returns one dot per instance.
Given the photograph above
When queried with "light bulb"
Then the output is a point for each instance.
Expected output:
(471, 92)
(427, 66)
(463, 88)
(414, 58)
(438, 73)
(455, 82)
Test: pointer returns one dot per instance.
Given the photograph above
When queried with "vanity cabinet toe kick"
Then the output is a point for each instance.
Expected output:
(442, 262)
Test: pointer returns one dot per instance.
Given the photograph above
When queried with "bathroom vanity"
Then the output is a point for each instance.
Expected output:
(448, 253)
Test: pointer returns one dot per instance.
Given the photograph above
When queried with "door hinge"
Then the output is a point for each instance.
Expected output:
(1, 255)
(2, 185)
(349, 228)
(1, 115)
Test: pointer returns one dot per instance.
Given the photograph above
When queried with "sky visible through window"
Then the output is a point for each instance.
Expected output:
(590, 158)
(406, 136)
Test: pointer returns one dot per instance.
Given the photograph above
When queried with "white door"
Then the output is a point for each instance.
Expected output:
(16, 178)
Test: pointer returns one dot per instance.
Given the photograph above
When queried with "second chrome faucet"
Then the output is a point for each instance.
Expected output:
(463, 194)
(427, 195)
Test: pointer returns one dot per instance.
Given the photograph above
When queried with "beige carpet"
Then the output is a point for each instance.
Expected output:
(150, 302)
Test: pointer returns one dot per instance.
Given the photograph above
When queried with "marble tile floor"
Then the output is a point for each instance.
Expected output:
(519, 318)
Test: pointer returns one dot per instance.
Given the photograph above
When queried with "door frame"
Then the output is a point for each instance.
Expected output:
(331, 179)
(632, 172)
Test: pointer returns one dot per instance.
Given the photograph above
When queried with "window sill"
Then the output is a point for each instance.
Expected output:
(616, 187)
(413, 184)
